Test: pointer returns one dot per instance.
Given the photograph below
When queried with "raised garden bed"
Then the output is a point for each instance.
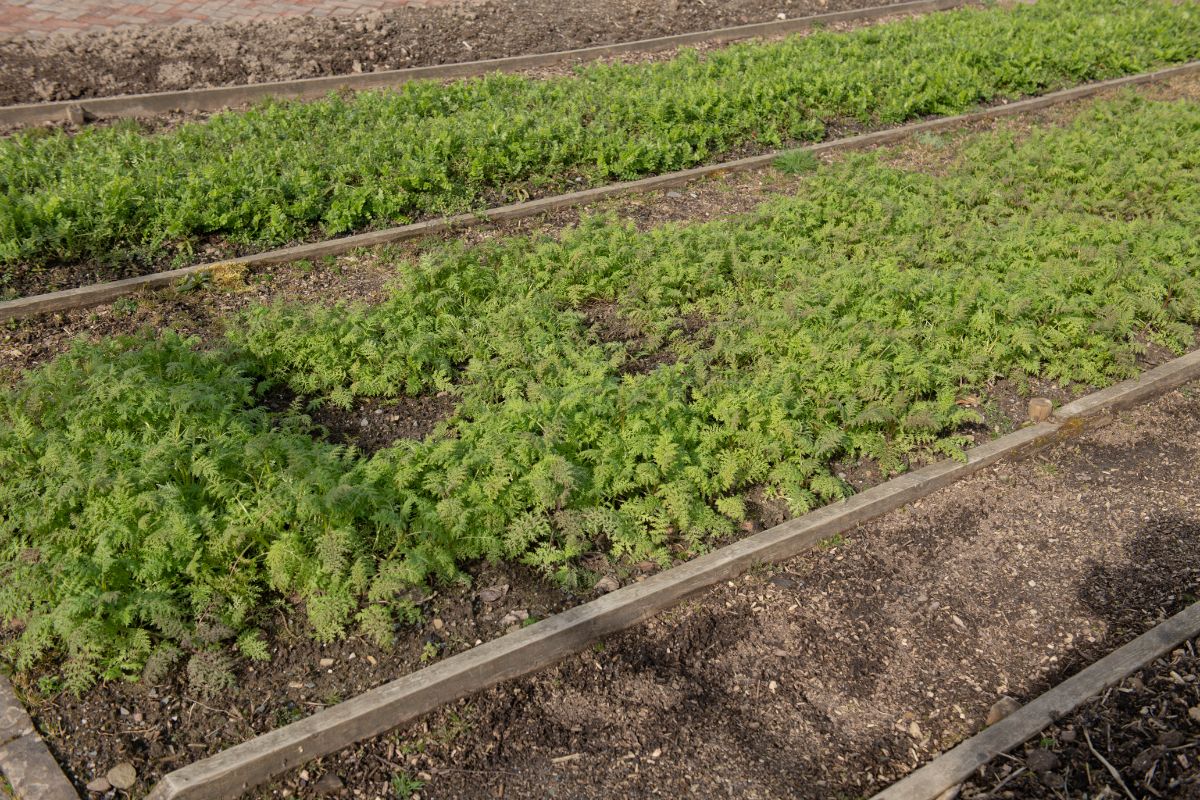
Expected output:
(320, 169)
(610, 298)
(158, 59)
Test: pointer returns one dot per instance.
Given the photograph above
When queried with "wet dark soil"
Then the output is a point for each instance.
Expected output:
(155, 59)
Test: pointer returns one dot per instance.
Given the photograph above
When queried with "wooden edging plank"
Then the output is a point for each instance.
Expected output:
(235, 770)
(219, 97)
(84, 296)
(25, 759)
(955, 766)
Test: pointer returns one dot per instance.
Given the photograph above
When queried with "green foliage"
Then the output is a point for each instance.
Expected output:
(404, 786)
(150, 506)
(796, 162)
(285, 170)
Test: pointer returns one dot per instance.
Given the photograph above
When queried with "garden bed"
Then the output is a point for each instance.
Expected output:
(842, 670)
(604, 324)
(427, 149)
(158, 59)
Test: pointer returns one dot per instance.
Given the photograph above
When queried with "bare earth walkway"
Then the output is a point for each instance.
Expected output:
(834, 674)
(41, 17)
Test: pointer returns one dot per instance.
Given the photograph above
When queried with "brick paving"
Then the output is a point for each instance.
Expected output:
(42, 17)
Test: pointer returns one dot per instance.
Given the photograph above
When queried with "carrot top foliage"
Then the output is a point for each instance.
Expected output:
(150, 507)
(123, 200)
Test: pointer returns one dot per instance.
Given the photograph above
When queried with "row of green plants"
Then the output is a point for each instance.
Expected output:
(151, 509)
(117, 199)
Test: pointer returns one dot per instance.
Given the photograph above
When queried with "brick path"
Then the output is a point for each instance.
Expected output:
(41, 17)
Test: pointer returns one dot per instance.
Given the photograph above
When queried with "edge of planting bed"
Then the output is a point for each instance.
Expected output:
(956, 765)
(401, 701)
(84, 296)
(219, 97)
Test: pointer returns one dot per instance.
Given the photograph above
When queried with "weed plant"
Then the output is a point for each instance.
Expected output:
(121, 200)
(150, 508)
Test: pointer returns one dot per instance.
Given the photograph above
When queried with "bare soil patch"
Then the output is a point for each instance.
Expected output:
(155, 59)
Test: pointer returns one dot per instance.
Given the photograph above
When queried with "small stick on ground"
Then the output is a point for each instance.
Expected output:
(1111, 769)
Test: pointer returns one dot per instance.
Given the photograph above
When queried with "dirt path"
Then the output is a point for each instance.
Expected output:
(838, 672)
(154, 59)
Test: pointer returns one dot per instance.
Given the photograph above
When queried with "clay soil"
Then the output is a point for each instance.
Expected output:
(155, 59)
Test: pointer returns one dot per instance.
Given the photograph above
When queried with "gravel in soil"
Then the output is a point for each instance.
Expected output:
(1147, 729)
(840, 671)
(156, 59)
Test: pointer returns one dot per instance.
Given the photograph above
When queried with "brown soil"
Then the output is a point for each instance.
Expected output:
(1145, 728)
(154, 59)
(840, 671)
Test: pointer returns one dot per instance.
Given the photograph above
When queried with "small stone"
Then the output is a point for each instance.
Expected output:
(1194, 713)
(1041, 761)
(914, 730)
(493, 593)
(1001, 709)
(1172, 738)
(1067, 736)
(1040, 409)
(328, 784)
(437, 623)
(647, 566)
(326, 662)
(99, 786)
(607, 584)
(138, 717)
(513, 617)
(783, 582)
(122, 776)
(1144, 760)
(76, 115)
(781, 15)
(304, 776)
(674, 195)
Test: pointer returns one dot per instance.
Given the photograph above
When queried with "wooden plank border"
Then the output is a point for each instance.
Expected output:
(955, 766)
(94, 294)
(233, 771)
(219, 97)
(25, 759)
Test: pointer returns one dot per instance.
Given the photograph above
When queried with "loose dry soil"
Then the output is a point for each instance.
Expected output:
(156, 59)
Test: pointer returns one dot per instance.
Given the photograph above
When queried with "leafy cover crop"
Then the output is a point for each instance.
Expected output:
(150, 508)
(118, 198)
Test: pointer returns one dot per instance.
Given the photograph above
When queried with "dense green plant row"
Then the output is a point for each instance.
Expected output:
(149, 508)
(116, 197)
